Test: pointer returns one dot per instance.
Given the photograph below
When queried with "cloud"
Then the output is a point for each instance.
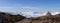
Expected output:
(29, 11)
(28, 14)
(54, 13)
(31, 14)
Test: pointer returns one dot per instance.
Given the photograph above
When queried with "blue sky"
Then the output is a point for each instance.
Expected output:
(30, 5)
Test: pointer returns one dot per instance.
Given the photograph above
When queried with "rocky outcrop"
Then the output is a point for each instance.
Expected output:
(48, 14)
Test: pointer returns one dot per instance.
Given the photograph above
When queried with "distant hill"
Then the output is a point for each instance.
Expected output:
(9, 18)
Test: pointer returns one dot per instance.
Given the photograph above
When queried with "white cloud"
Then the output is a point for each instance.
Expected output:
(27, 14)
(31, 14)
(12, 8)
(54, 13)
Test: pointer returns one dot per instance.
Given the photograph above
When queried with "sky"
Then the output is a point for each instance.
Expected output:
(30, 7)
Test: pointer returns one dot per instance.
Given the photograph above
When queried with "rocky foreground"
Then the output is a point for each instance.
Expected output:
(48, 18)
